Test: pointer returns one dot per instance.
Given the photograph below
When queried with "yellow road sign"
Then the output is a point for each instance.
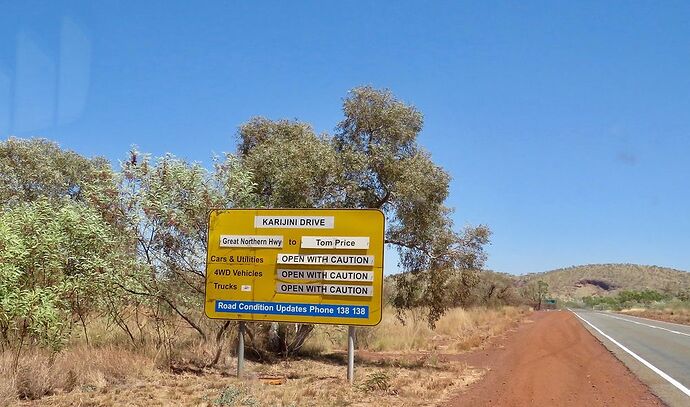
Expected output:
(295, 265)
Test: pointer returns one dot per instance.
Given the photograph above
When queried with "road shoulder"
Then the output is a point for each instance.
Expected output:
(552, 361)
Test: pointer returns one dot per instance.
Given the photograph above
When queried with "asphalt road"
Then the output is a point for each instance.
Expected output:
(657, 352)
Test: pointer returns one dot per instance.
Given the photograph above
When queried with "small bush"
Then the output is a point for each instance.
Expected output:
(228, 396)
(626, 299)
(378, 381)
(233, 396)
(40, 373)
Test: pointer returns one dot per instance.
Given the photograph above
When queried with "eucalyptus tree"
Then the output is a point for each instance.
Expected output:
(385, 167)
(32, 169)
(165, 203)
(58, 264)
(61, 245)
(372, 161)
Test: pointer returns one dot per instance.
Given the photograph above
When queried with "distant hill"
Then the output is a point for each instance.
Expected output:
(608, 279)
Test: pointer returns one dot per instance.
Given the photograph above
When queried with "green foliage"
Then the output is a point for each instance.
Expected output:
(625, 299)
(377, 381)
(166, 204)
(291, 166)
(39, 169)
(373, 161)
(643, 297)
(56, 264)
(387, 169)
(234, 396)
(77, 238)
(63, 244)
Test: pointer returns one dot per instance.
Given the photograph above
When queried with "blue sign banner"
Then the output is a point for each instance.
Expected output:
(289, 308)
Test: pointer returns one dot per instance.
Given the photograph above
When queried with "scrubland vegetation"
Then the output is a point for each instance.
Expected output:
(111, 371)
(626, 299)
(646, 303)
(675, 312)
(649, 291)
(102, 269)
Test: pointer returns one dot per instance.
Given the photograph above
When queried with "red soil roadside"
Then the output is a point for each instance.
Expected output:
(553, 361)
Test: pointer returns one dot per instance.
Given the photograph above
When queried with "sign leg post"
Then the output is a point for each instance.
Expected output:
(240, 349)
(305, 266)
(351, 354)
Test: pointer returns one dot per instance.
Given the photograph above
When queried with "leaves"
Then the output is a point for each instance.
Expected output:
(291, 166)
(39, 169)
(77, 237)
(166, 202)
(57, 260)
(373, 161)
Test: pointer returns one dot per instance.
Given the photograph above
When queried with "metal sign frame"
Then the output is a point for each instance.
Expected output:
(319, 266)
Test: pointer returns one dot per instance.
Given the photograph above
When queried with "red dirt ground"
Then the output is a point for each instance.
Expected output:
(553, 361)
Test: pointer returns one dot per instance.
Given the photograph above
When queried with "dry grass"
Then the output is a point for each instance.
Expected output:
(40, 374)
(113, 374)
(676, 315)
(457, 330)
(305, 383)
(8, 390)
(464, 330)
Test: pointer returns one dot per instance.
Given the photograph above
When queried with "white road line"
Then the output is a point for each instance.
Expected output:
(655, 369)
(642, 323)
(656, 320)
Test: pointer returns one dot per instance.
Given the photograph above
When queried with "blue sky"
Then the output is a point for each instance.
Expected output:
(565, 125)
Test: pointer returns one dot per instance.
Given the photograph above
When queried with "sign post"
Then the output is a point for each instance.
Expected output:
(318, 266)
(351, 354)
(240, 349)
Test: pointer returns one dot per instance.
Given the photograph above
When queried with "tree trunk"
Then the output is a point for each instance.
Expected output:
(274, 338)
(285, 341)
(219, 343)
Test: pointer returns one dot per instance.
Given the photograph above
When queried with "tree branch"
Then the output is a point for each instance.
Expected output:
(409, 246)
(170, 303)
